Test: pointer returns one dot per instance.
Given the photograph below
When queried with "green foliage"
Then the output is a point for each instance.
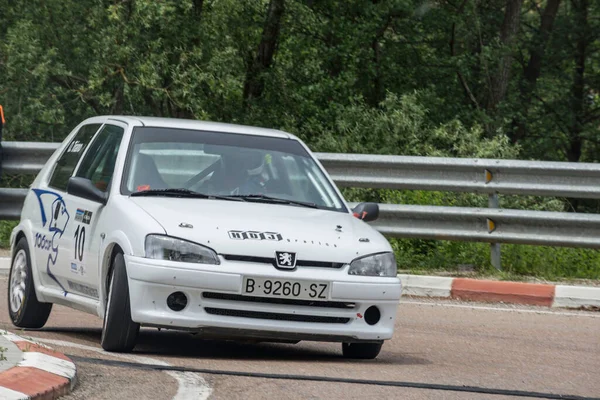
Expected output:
(422, 64)
(6, 228)
(401, 125)
(549, 263)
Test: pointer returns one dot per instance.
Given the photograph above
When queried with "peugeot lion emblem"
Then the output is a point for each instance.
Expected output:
(285, 259)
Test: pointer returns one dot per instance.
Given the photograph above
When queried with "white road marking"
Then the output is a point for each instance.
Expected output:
(13, 338)
(576, 296)
(54, 365)
(426, 286)
(8, 394)
(192, 386)
(518, 310)
(4, 265)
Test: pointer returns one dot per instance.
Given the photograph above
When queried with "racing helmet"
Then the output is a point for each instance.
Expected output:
(254, 163)
(246, 161)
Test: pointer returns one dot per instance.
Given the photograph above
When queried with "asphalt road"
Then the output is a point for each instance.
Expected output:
(436, 343)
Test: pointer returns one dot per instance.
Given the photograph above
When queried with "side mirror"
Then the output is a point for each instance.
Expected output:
(82, 187)
(366, 211)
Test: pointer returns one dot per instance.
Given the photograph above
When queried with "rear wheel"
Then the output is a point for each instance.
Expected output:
(119, 332)
(23, 306)
(363, 351)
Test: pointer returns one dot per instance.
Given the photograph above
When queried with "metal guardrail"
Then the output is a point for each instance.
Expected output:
(484, 176)
(541, 178)
(490, 225)
(11, 202)
(26, 157)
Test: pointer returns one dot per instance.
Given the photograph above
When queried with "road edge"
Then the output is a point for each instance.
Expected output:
(4, 265)
(535, 294)
(42, 373)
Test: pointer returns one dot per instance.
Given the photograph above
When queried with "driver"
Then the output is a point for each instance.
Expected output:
(255, 174)
(243, 172)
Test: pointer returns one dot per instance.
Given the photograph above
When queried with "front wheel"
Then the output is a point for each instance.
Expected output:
(24, 309)
(119, 332)
(363, 351)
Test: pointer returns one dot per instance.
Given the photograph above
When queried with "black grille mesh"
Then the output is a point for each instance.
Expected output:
(276, 316)
(272, 300)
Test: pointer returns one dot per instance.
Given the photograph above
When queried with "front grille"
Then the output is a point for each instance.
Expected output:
(271, 260)
(262, 260)
(318, 264)
(271, 300)
(276, 316)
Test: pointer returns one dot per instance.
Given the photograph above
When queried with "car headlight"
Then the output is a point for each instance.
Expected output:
(383, 264)
(162, 247)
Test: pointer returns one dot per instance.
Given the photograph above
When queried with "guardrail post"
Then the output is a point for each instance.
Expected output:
(495, 256)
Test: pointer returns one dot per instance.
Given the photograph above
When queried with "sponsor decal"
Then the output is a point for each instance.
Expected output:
(77, 269)
(285, 259)
(83, 216)
(254, 235)
(75, 147)
(42, 242)
(51, 204)
(84, 289)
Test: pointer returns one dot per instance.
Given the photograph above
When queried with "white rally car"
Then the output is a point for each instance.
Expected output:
(213, 228)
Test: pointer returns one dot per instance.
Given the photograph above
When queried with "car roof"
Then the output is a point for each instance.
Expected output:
(200, 125)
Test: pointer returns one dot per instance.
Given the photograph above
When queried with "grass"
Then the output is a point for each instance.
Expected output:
(6, 228)
(519, 262)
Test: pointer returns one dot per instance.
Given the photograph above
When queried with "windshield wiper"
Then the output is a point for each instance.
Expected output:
(181, 192)
(275, 200)
(170, 192)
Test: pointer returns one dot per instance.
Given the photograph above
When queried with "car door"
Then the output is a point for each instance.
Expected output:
(81, 240)
(54, 216)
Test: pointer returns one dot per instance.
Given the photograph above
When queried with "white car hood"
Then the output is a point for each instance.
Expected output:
(313, 234)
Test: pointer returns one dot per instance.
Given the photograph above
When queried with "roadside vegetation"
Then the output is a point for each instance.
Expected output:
(5, 228)
(514, 79)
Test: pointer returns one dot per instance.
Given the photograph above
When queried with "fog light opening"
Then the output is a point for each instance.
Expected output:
(177, 301)
(372, 315)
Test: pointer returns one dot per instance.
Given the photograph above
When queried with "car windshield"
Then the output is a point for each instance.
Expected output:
(250, 167)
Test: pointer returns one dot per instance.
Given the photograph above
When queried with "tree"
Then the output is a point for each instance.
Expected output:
(527, 68)
(254, 85)
(534, 68)
(508, 33)
(582, 41)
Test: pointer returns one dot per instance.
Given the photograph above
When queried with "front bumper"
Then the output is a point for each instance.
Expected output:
(215, 303)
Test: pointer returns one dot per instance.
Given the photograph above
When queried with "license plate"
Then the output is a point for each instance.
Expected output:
(285, 288)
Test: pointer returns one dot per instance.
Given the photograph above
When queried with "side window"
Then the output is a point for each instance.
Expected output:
(69, 159)
(98, 164)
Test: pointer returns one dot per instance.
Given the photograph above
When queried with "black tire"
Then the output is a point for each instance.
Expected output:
(119, 332)
(30, 313)
(361, 351)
